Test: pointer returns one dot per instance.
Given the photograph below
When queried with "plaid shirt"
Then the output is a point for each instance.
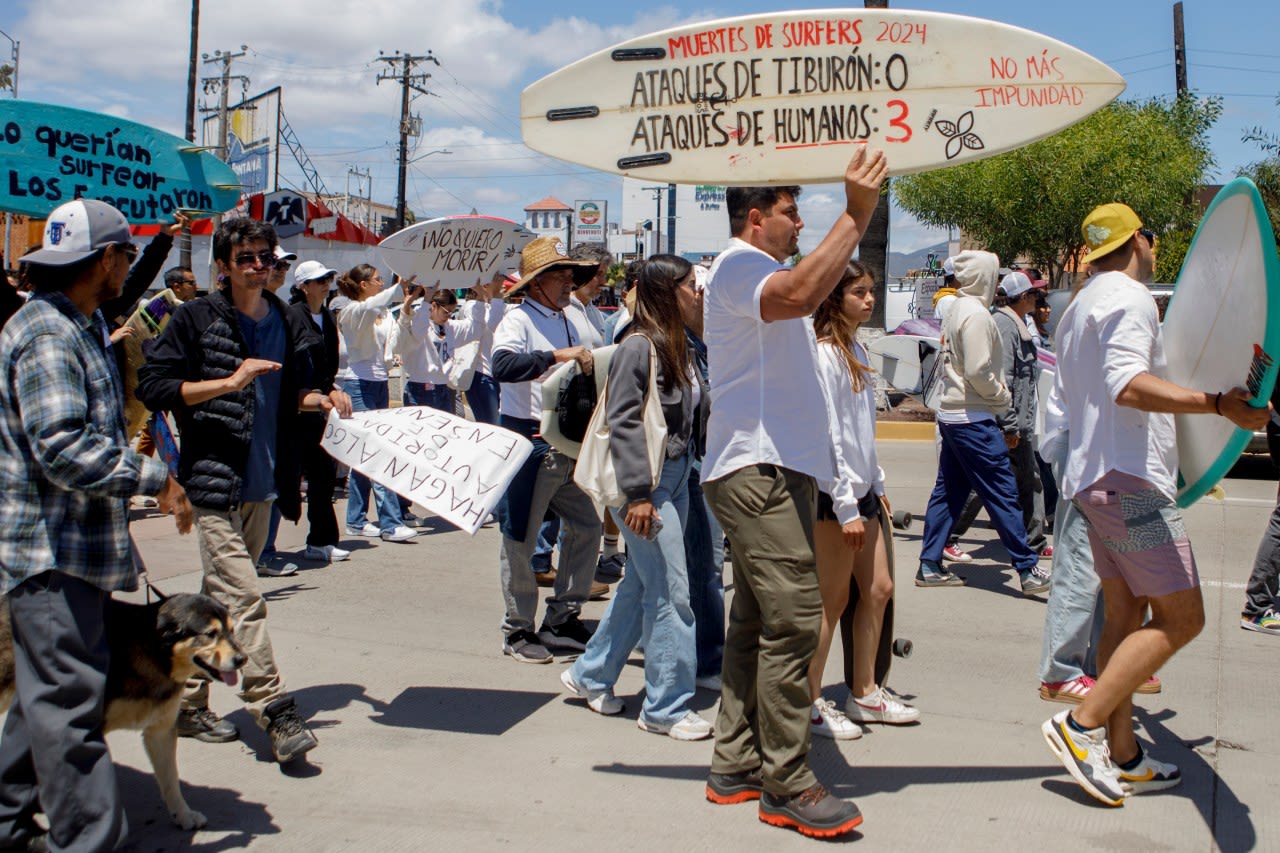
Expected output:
(66, 471)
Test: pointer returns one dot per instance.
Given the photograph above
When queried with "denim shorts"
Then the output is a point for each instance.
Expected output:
(1137, 534)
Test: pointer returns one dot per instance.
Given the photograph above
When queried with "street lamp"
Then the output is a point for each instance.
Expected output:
(429, 153)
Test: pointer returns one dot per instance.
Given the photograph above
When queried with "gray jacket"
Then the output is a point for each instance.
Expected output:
(624, 410)
(1020, 369)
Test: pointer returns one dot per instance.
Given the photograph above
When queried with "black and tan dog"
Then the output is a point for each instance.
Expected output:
(155, 648)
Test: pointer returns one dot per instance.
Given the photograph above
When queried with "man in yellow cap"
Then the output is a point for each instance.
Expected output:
(1121, 473)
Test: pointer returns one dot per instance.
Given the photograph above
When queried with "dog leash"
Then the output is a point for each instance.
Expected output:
(140, 565)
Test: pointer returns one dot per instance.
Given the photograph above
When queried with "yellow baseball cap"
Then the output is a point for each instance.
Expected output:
(1107, 228)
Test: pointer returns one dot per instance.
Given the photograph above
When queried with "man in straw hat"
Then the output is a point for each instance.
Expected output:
(1121, 473)
(532, 338)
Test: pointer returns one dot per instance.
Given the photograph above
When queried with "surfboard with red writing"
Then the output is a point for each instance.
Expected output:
(456, 251)
(782, 98)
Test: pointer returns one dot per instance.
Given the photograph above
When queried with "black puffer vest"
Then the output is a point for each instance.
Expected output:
(203, 341)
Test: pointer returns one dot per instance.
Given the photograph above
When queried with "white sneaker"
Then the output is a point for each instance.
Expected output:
(688, 727)
(325, 553)
(709, 682)
(1149, 775)
(880, 707)
(829, 721)
(369, 529)
(399, 534)
(600, 701)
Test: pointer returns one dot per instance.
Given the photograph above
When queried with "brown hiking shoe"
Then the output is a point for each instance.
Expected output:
(813, 812)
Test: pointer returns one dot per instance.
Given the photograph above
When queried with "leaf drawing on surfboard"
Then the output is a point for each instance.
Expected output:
(959, 134)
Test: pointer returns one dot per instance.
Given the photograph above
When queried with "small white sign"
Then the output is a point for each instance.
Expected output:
(324, 225)
(456, 468)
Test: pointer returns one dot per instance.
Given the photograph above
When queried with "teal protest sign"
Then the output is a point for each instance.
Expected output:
(50, 155)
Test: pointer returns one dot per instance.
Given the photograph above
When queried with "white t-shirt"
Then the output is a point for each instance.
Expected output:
(767, 405)
(853, 432)
(1107, 336)
(588, 321)
(525, 328)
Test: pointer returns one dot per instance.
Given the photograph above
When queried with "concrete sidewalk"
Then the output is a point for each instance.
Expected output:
(430, 739)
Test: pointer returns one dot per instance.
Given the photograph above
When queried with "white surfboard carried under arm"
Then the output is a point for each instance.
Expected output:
(1222, 330)
(781, 98)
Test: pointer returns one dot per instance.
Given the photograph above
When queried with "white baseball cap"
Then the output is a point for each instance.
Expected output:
(76, 230)
(283, 254)
(1015, 284)
(310, 271)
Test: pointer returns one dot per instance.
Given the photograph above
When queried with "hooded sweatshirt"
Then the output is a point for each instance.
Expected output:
(973, 384)
(1020, 371)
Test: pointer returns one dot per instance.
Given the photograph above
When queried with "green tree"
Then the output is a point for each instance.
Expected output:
(1266, 172)
(1152, 155)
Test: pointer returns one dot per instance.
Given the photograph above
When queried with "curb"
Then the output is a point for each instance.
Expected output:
(904, 431)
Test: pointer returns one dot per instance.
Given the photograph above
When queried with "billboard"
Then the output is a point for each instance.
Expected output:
(253, 133)
(589, 220)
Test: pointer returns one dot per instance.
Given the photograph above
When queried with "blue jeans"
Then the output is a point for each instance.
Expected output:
(975, 456)
(437, 397)
(703, 540)
(548, 537)
(482, 397)
(651, 603)
(1261, 590)
(1073, 617)
(367, 396)
(273, 527)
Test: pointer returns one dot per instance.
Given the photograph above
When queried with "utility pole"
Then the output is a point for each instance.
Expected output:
(11, 73)
(408, 80)
(671, 219)
(657, 216)
(363, 179)
(873, 249)
(222, 83)
(1179, 51)
(193, 74)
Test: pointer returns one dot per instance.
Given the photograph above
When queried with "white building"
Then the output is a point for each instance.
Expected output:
(549, 218)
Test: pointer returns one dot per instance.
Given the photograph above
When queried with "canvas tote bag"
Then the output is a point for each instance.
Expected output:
(594, 473)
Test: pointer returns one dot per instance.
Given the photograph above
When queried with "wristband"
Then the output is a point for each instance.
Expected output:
(1217, 403)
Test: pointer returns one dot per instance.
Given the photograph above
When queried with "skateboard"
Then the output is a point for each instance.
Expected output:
(890, 647)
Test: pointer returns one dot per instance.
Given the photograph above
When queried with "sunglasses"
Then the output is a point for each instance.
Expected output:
(283, 265)
(130, 250)
(1149, 236)
(247, 259)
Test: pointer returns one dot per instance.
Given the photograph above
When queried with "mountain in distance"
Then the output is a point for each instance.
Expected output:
(899, 263)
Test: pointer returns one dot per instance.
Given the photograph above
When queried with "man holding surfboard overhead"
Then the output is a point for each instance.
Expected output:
(1121, 473)
(764, 451)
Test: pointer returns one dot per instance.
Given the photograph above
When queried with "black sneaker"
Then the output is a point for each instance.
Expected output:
(525, 647)
(1036, 581)
(203, 724)
(609, 569)
(813, 812)
(727, 789)
(931, 574)
(569, 634)
(290, 737)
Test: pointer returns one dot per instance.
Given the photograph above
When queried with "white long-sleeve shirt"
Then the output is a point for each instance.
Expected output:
(367, 338)
(853, 423)
(489, 315)
(425, 355)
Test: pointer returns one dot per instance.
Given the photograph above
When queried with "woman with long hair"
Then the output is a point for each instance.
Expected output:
(652, 601)
(849, 537)
(366, 324)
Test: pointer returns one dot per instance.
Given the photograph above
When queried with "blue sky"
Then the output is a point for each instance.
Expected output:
(130, 59)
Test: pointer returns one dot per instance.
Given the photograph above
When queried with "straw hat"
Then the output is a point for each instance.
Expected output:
(548, 253)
